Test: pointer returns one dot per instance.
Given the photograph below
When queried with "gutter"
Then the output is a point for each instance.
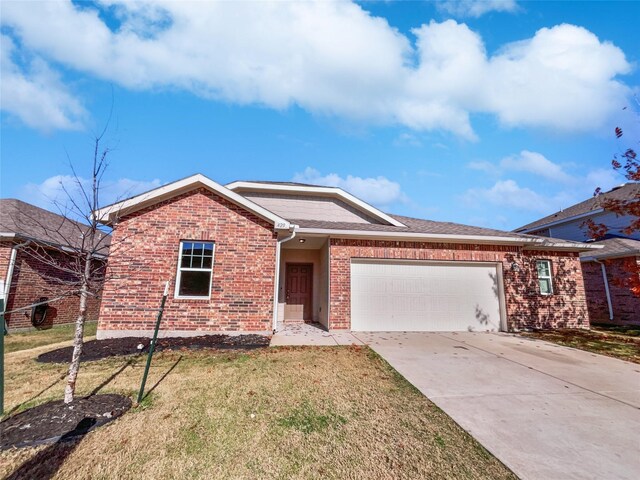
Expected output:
(387, 235)
(276, 284)
(603, 268)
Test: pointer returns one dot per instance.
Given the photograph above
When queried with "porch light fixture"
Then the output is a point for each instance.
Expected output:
(302, 240)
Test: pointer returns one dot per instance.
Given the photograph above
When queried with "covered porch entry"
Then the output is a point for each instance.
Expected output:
(303, 282)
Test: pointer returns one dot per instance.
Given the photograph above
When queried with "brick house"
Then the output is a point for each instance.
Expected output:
(36, 262)
(606, 271)
(252, 256)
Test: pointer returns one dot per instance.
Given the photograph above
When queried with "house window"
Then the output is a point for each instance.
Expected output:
(544, 276)
(195, 268)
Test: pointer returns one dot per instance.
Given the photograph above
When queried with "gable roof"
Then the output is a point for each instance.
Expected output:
(628, 191)
(25, 221)
(616, 247)
(110, 213)
(335, 192)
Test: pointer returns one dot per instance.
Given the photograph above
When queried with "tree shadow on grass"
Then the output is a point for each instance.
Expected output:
(166, 374)
(46, 463)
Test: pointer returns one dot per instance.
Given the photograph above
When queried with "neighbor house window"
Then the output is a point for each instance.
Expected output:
(195, 268)
(544, 277)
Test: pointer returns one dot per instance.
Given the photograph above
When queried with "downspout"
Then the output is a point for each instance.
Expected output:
(7, 283)
(277, 282)
(606, 287)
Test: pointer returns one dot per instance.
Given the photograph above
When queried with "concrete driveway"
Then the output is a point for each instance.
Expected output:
(546, 411)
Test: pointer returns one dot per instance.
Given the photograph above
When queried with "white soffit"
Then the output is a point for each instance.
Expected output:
(107, 214)
(335, 192)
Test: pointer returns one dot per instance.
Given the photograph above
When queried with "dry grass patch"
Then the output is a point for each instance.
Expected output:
(334, 412)
(37, 338)
(612, 344)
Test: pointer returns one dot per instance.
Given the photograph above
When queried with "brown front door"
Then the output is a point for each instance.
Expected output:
(298, 291)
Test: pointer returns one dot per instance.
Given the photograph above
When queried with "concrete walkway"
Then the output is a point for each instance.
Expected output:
(310, 334)
(546, 411)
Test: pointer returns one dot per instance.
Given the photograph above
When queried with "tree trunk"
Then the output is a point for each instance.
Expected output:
(70, 389)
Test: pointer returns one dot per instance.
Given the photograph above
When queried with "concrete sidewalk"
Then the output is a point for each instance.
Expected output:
(313, 335)
(546, 411)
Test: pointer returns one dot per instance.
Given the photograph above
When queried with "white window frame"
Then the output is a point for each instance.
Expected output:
(549, 277)
(176, 292)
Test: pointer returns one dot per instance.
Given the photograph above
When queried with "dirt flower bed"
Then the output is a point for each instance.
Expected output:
(100, 349)
(55, 421)
(613, 345)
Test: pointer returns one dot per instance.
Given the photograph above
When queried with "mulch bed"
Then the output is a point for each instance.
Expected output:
(99, 349)
(56, 422)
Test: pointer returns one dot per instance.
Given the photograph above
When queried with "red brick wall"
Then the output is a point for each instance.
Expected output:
(525, 306)
(144, 254)
(33, 278)
(626, 306)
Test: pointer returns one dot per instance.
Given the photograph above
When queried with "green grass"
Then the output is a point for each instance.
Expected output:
(626, 330)
(622, 346)
(37, 338)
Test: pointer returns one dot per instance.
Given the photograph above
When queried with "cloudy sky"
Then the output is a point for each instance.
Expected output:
(491, 113)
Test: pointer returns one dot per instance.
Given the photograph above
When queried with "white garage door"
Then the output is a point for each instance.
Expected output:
(421, 296)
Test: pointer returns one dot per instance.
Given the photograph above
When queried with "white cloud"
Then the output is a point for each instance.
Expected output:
(35, 94)
(379, 191)
(475, 8)
(336, 59)
(55, 192)
(507, 193)
(603, 178)
(407, 139)
(538, 164)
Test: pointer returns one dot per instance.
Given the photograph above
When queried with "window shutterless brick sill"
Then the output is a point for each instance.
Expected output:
(191, 299)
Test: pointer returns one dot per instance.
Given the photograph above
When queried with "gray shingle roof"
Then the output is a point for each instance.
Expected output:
(628, 191)
(28, 221)
(413, 225)
(615, 247)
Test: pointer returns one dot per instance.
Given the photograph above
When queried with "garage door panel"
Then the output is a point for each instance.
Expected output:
(396, 296)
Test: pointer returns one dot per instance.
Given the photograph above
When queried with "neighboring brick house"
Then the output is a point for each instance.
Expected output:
(250, 256)
(36, 261)
(607, 271)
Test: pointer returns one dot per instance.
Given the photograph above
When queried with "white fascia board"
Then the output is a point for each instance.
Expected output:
(107, 214)
(7, 235)
(560, 222)
(595, 257)
(575, 246)
(412, 236)
(330, 191)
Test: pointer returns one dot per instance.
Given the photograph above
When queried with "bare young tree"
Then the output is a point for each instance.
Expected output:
(71, 248)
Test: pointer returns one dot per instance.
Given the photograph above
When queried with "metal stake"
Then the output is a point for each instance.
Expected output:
(152, 347)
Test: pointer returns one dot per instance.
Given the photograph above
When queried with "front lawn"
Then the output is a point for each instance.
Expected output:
(36, 338)
(333, 412)
(614, 343)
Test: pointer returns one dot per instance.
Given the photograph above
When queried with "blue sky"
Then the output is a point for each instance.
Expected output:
(487, 113)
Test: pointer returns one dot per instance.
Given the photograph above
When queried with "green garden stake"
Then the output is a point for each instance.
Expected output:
(152, 347)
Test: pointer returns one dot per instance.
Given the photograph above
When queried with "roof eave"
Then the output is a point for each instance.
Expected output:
(414, 236)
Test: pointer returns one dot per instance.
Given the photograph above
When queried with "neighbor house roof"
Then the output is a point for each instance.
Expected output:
(24, 221)
(616, 247)
(628, 191)
(420, 229)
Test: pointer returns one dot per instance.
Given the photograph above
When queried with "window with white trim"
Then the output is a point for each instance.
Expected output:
(195, 268)
(544, 277)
